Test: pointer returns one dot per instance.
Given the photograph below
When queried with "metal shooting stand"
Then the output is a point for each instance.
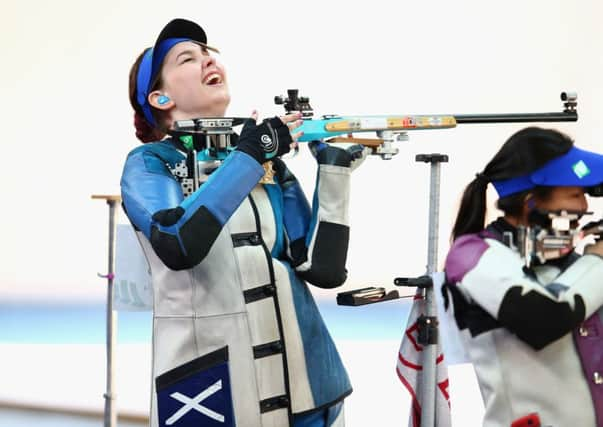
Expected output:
(110, 419)
(428, 322)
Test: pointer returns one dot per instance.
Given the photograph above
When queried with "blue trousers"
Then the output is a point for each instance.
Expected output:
(323, 418)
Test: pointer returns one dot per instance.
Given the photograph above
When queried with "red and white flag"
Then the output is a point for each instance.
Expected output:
(410, 370)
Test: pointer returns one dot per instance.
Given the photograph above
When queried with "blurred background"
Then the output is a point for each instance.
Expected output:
(68, 128)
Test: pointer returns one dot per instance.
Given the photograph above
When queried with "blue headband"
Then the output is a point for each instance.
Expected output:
(147, 72)
(576, 168)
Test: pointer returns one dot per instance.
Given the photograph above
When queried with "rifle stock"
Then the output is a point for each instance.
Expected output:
(336, 126)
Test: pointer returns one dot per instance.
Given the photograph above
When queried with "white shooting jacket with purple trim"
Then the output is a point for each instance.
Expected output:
(534, 336)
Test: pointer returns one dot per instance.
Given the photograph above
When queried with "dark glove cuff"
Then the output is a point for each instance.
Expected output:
(251, 148)
(247, 145)
(334, 156)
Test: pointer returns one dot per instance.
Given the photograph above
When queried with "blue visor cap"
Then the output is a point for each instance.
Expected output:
(176, 31)
(576, 168)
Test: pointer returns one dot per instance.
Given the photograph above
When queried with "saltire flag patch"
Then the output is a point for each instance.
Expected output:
(196, 393)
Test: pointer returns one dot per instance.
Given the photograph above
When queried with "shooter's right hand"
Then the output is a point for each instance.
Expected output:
(272, 138)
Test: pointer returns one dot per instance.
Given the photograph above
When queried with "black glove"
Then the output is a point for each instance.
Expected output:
(265, 141)
(339, 154)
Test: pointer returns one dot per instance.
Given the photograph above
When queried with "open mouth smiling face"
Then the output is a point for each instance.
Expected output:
(195, 81)
(213, 78)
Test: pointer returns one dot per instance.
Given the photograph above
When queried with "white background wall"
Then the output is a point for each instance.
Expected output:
(68, 124)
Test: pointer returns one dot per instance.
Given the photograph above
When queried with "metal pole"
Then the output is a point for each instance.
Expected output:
(434, 211)
(430, 350)
(109, 395)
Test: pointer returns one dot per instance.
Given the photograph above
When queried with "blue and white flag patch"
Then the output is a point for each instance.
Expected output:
(197, 393)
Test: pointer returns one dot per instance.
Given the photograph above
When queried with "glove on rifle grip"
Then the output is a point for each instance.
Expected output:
(265, 141)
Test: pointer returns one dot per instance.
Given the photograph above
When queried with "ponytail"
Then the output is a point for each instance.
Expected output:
(472, 212)
(524, 152)
(144, 131)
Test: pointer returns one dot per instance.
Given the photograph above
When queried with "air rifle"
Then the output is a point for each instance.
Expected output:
(391, 128)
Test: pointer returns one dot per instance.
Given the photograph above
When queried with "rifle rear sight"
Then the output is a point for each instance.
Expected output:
(294, 102)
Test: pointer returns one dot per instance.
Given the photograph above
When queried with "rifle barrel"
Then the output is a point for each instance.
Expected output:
(566, 116)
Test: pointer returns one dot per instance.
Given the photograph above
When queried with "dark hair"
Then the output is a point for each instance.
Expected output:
(144, 130)
(524, 152)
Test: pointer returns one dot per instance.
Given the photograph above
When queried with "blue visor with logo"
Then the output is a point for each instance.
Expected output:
(576, 168)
